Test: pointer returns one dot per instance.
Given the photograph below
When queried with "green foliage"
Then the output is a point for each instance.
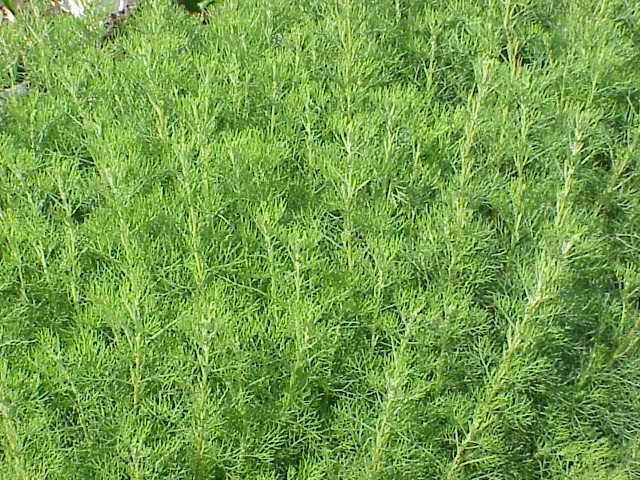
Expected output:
(196, 6)
(323, 239)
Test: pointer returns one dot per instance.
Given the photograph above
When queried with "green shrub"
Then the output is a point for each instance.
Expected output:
(323, 239)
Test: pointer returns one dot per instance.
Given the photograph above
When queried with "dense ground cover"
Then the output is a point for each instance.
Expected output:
(323, 239)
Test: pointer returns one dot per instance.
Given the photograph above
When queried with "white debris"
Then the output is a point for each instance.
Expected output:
(79, 8)
(74, 7)
(7, 15)
(19, 89)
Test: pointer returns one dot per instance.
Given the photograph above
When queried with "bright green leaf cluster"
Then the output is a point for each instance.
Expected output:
(324, 239)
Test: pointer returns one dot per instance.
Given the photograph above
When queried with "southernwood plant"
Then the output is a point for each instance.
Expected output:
(323, 239)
